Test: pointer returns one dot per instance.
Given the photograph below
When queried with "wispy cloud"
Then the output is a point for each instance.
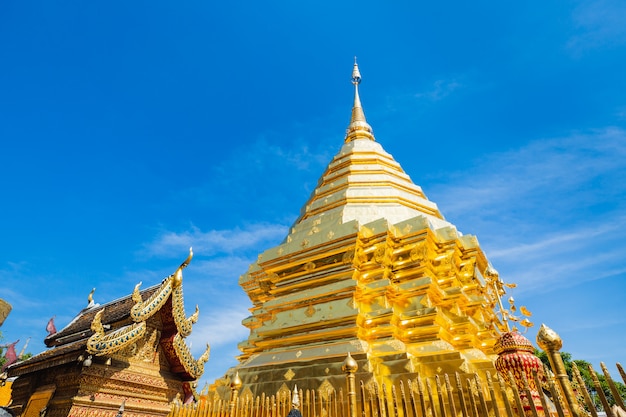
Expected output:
(562, 266)
(17, 276)
(570, 239)
(549, 214)
(298, 155)
(583, 168)
(223, 330)
(215, 241)
(219, 329)
(599, 23)
(440, 89)
(217, 278)
(243, 174)
(211, 281)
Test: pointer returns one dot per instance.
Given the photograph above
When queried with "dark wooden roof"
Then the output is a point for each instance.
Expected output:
(80, 327)
(73, 337)
(49, 358)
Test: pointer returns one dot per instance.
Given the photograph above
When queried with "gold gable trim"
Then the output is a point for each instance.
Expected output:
(193, 367)
(143, 310)
(183, 324)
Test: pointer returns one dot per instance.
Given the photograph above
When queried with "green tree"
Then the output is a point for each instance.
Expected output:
(3, 360)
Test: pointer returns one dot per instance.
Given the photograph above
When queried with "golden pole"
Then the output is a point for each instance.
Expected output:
(493, 279)
(235, 384)
(551, 343)
(350, 367)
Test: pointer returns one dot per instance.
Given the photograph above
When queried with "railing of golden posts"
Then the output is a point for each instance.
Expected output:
(458, 395)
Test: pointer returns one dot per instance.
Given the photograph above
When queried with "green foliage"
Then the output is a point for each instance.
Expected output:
(2, 358)
(2, 352)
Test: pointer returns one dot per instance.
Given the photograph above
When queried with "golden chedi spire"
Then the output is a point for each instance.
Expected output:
(364, 183)
(371, 268)
(358, 128)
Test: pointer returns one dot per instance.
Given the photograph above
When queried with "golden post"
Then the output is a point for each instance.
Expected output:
(551, 343)
(235, 384)
(350, 367)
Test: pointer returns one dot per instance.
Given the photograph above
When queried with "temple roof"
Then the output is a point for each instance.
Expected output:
(80, 327)
(74, 336)
(104, 330)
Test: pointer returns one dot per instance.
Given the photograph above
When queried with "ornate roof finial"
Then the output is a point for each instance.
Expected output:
(358, 128)
(90, 301)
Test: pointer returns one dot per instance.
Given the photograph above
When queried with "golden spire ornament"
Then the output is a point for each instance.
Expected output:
(496, 285)
(358, 128)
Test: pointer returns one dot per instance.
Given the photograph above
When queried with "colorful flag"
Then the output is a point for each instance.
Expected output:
(10, 355)
(50, 327)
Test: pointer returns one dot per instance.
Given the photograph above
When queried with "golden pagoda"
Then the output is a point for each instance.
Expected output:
(372, 268)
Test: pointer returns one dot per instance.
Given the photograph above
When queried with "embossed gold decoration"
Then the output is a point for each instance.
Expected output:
(289, 374)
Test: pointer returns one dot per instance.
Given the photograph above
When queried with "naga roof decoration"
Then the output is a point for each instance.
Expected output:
(143, 310)
(192, 366)
(170, 289)
(104, 344)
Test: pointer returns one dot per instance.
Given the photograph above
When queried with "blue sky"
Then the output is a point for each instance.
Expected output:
(133, 130)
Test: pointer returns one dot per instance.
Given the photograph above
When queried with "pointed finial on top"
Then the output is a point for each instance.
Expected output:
(356, 74)
(358, 128)
(120, 412)
(295, 399)
(90, 301)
